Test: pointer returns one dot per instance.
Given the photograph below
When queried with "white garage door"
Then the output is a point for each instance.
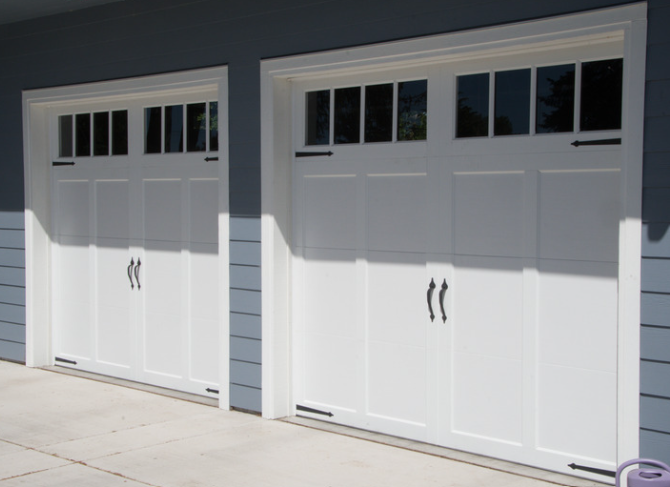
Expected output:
(135, 240)
(456, 256)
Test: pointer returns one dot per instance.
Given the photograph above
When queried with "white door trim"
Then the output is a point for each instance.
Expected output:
(627, 23)
(37, 178)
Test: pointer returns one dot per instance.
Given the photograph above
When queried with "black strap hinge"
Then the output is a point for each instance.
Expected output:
(599, 471)
(59, 163)
(65, 361)
(212, 391)
(577, 143)
(305, 409)
(207, 159)
(313, 154)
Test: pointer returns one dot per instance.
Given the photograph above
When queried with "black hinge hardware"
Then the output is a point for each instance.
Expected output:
(207, 159)
(212, 391)
(313, 411)
(313, 154)
(577, 143)
(58, 163)
(599, 471)
(65, 361)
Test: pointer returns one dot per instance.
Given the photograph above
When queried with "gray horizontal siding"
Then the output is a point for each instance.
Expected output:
(245, 313)
(246, 326)
(247, 398)
(13, 332)
(654, 444)
(12, 286)
(14, 351)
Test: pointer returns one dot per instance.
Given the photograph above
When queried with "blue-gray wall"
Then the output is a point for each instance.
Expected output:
(655, 333)
(140, 37)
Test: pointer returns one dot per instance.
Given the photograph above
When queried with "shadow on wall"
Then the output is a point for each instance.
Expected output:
(657, 231)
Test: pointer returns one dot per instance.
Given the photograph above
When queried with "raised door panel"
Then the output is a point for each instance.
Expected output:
(115, 340)
(162, 277)
(203, 278)
(73, 335)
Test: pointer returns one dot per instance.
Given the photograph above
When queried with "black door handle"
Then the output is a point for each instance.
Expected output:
(130, 273)
(136, 271)
(431, 289)
(443, 291)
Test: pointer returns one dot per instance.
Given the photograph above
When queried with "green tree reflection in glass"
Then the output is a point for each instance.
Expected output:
(473, 105)
(413, 110)
(555, 99)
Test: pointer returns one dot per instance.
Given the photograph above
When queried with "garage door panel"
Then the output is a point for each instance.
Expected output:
(488, 397)
(203, 210)
(330, 284)
(203, 281)
(397, 212)
(112, 211)
(72, 210)
(489, 213)
(576, 412)
(396, 292)
(162, 209)
(488, 306)
(579, 215)
(162, 344)
(115, 338)
(396, 382)
(329, 215)
(76, 340)
(580, 334)
(203, 343)
(332, 377)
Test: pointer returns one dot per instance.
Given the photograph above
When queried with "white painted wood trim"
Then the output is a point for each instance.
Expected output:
(37, 179)
(630, 242)
(627, 23)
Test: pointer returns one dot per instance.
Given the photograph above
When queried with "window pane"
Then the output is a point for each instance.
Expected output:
(213, 125)
(196, 127)
(65, 136)
(512, 102)
(473, 105)
(413, 110)
(83, 140)
(379, 113)
(120, 133)
(174, 128)
(601, 95)
(555, 99)
(347, 115)
(318, 118)
(152, 130)
(101, 134)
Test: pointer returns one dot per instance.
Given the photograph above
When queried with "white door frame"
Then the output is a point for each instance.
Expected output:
(37, 181)
(627, 23)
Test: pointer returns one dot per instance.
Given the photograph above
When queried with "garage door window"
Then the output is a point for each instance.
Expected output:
(171, 128)
(390, 112)
(554, 94)
(86, 134)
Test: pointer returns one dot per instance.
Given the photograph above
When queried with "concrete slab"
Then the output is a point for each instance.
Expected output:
(129, 440)
(73, 475)
(59, 430)
(27, 461)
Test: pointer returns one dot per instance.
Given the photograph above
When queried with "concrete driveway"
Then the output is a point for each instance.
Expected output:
(61, 430)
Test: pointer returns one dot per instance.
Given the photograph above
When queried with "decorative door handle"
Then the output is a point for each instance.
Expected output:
(443, 291)
(431, 289)
(130, 273)
(136, 271)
